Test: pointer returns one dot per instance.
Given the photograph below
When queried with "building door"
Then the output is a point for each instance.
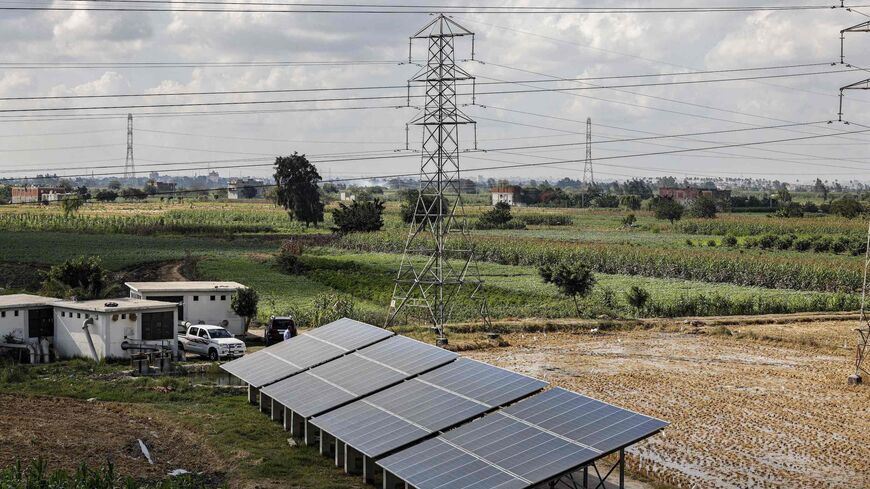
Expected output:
(40, 322)
(178, 299)
(158, 326)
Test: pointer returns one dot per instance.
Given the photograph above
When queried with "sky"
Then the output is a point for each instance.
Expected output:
(241, 140)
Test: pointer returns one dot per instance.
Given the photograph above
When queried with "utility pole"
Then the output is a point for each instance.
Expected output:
(129, 165)
(438, 262)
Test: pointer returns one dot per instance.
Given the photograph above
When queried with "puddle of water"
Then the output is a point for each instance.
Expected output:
(215, 378)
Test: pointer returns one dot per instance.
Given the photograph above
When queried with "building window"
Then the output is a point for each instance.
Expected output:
(16, 313)
(62, 314)
(123, 316)
(158, 325)
(2, 314)
(87, 315)
(223, 297)
(196, 298)
(78, 315)
(212, 297)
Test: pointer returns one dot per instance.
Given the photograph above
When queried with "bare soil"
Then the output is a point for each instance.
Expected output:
(68, 432)
(750, 406)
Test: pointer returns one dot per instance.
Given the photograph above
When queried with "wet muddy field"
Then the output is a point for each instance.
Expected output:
(753, 406)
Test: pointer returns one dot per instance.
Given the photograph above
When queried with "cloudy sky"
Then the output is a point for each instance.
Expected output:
(82, 53)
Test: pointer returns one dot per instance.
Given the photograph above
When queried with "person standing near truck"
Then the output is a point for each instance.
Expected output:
(290, 332)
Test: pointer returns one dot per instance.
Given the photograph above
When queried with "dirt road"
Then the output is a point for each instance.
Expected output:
(765, 407)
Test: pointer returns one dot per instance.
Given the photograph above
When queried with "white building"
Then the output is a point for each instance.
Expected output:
(198, 302)
(26, 318)
(113, 324)
(508, 195)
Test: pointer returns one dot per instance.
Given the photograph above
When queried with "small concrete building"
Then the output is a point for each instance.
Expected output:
(199, 302)
(26, 318)
(509, 195)
(117, 327)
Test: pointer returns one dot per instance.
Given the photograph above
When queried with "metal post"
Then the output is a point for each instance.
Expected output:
(621, 468)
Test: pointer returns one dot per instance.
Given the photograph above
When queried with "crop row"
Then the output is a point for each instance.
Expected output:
(753, 225)
(814, 272)
(129, 224)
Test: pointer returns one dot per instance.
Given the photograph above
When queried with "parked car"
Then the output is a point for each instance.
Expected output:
(276, 327)
(214, 342)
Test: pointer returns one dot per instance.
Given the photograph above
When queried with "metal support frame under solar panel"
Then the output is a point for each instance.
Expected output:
(335, 384)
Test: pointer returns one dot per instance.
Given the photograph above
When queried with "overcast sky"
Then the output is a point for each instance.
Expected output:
(560, 45)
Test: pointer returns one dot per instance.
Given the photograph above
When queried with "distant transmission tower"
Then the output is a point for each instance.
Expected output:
(863, 331)
(860, 85)
(438, 262)
(588, 174)
(129, 165)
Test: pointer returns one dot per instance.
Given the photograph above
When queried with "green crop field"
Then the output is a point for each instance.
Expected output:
(688, 267)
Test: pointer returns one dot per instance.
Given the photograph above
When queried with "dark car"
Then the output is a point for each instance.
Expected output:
(277, 327)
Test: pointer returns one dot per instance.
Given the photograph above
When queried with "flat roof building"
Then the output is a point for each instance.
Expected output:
(199, 302)
(26, 318)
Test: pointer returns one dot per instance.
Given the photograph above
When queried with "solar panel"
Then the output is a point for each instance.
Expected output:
(413, 410)
(536, 440)
(309, 349)
(342, 380)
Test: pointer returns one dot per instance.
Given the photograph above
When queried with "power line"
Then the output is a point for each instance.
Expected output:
(388, 97)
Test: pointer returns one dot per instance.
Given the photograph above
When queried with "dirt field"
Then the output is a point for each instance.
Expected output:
(766, 406)
(93, 432)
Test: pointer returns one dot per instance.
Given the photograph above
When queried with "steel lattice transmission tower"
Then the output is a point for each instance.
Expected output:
(129, 165)
(438, 265)
(588, 174)
(863, 348)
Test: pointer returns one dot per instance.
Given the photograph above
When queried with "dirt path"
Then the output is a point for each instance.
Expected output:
(67, 432)
(745, 412)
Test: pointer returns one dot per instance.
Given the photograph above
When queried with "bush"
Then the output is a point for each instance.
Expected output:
(729, 240)
(83, 278)
(803, 244)
(637, 298)
(499, 217)
(629, 221)
(767, 241)
(544, 220)
(822, 244)
(785, 241)
(289, 257)
(574, 279)
(667, 209)
(703, 207)
(359, 217)
(847, 207)
(840, 245)
(711, 243)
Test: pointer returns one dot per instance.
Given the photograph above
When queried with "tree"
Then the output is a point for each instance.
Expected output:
(667, 208)
(629, 221)
(704, 207)
(244, 303)
(631, 202)
(82, 278)
(410, 199)
(790, 209)
(114, 185)
(496, 218)
(573, 279)
(5, 194)
(821, 189)
(783, 195)
(131, 193)
(358, 217)
(297, 188)
(637, 298)
(846, 206)
(639, 188)
(107, 195)
(71, 204)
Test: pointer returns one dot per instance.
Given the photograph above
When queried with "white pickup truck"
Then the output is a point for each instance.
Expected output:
(214, 342)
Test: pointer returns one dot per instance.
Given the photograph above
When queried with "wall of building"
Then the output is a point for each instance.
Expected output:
(10, 323)
(199, 308)
(109, 331)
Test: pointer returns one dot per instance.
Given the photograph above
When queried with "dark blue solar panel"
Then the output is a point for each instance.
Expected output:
(309, 349)
(340, 381)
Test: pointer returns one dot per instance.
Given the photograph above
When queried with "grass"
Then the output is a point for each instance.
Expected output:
(255, 448)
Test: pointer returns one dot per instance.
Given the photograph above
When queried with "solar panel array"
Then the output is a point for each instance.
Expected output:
(348, 378)
(535, 440)
(387, 396)
(415, 409)
(307, 350)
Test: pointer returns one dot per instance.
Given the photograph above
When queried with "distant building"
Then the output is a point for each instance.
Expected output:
(165, 187)
(213, 177)
(244, 188)
(30, 194)
(197, 302)
(347, 196)
(684, 195)
(509, 194)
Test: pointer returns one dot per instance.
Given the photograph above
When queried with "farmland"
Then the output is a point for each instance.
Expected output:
(700, 378)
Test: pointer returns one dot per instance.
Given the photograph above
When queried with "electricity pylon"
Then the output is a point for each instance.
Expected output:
(129, 165)
(588, 174)
(438, 264)
(863, 347)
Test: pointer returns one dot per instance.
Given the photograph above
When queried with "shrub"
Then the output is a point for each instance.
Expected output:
(244, 303)
(729, 240)
(499, 217)
(667, 209)
(822, 244)
(359, 217)
(840, 245)
(803, 244)
(289, 257)
(767, 241)
(544, 220)
(574, 279)
(637, 298)
(711, 243)
(847, 207)
(785, 241)
(629, 221)
(82, 278)
(689, 242)
(703, 207)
